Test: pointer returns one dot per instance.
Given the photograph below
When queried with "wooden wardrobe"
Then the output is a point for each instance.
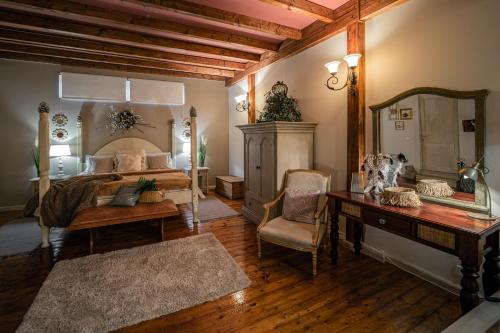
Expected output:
(270, 149)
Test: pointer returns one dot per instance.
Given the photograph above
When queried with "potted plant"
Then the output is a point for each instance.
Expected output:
(202, 151)
(280, 107)
(148, 191)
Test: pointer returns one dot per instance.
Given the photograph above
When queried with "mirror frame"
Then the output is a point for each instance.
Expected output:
(479, 96)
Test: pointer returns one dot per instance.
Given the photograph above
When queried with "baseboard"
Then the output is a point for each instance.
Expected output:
(419, 272)
(11, 208)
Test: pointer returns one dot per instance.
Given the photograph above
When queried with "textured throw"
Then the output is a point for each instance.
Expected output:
(105, 292)
(65, 199)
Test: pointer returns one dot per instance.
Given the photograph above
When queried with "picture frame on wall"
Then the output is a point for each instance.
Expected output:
(393, 113)
(406, 114)
(399, 125)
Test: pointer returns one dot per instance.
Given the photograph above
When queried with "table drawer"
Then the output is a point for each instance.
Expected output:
(389, 223)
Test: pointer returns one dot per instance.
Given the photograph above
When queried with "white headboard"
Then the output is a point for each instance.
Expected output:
(127, 144)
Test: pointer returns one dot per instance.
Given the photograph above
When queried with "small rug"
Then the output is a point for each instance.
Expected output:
(213, 208)
(105, 292)
(19, 236)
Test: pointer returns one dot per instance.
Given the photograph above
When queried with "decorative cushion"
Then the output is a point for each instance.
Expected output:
(300, 205)
(128, 162)
(100, 164)
(142, 152)
(286, 232)
(126, 196)
(159, 161)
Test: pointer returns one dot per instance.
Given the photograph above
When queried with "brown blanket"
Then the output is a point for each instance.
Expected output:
(65, 199)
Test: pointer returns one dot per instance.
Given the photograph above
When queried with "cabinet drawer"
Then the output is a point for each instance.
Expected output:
(388, 223)
(254, 205)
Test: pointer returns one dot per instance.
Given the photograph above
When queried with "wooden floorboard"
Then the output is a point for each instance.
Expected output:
(358, 295)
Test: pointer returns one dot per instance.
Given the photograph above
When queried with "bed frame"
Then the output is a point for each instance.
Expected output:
(185, 196)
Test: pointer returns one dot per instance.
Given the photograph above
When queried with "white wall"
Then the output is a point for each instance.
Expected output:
(23, 85)
(236, 153)
(450, 44)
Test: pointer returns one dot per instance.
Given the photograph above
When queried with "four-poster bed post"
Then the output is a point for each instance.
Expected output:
(195, 191)
(44, 164)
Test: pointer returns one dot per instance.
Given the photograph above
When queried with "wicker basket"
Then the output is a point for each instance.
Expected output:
(151, 197)
(434, 188)
(400, 196)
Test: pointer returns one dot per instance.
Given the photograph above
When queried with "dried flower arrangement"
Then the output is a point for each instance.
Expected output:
(124, 120)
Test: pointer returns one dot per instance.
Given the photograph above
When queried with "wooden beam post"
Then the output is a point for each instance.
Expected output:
(251, 98)
(356, 102)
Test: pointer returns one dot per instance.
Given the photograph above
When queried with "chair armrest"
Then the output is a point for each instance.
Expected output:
(267, 207)
(317, 219)
(321, 209)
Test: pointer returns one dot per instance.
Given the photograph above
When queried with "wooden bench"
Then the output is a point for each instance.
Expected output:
(102, 216)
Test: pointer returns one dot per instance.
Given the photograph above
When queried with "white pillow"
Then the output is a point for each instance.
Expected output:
(159, 161)
(99, 164)
(128, 162)
(142, 152)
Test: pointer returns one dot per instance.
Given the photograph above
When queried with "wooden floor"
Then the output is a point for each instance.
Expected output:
(359, 295)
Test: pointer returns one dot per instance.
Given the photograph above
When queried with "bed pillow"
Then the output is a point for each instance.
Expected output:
(300, 205)
(100, 164)
(126, 196)
(159, 161)
(128, 162)
(142, 152)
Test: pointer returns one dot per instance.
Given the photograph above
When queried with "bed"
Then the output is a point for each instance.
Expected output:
(178, 187)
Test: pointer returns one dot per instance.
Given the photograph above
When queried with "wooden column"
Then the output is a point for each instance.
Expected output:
(355, 120)
(356, 102)
(44, 165)
(251, 98)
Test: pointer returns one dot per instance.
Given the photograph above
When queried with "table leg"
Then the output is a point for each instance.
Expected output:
(358, 233)
(469, 253)
(491, 266)
(206, 183)
(162, 229)
(334, 233)
(91, 241)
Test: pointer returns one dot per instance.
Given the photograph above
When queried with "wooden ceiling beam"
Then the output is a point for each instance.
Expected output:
(318, 32)
(113, 19)
(103, 66)
(117, 60)
(305, 7)
(72, 44)
(71, 29)
(217, 15)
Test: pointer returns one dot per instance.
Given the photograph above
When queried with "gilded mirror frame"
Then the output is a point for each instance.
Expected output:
(479, 97)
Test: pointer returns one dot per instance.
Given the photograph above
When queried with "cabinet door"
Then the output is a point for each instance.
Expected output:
(252, 164)
(259, 166)
(267, 167)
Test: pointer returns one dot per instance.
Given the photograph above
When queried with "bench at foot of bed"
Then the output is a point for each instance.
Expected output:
(102, 216)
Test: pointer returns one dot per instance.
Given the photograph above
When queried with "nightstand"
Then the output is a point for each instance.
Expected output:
(203, 173)
(53, 178)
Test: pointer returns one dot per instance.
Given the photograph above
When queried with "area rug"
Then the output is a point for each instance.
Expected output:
(104, 292)
(213, 208)
(19, 236)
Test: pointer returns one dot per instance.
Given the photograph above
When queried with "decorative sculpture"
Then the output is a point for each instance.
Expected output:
(377, 167)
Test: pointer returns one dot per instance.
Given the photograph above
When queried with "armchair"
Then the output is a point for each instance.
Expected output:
(299, 236)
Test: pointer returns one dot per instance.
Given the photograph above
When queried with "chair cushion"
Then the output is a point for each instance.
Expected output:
(295, 234)
(300, 205)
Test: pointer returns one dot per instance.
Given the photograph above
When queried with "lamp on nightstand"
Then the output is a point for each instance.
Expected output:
(60, 151)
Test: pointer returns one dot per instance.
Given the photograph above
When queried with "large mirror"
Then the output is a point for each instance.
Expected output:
(433, 133)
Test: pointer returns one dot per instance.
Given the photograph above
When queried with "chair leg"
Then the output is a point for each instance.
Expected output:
(259, 247)
(314, 262)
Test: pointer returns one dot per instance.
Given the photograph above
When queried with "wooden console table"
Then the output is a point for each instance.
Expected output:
(444, 228)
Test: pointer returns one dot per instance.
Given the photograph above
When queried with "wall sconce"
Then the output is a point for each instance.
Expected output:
(242, 103)
(352, 78)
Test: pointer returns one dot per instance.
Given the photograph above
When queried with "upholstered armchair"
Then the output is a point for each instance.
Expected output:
(299, 236)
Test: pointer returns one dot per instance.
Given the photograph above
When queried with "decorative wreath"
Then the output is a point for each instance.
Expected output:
(124, 120)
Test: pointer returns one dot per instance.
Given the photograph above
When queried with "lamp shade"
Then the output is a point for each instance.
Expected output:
(352, 59)
(186, 147)
(240, 98)
(59, 150)
(333, 66)
(471, 172)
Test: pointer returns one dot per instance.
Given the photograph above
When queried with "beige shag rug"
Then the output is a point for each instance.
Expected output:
(104, 292)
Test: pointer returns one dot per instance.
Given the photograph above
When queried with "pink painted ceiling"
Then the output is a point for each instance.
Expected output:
(253, 8)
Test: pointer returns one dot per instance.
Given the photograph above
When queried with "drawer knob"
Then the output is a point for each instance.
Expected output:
(382, 221)
(258, 167)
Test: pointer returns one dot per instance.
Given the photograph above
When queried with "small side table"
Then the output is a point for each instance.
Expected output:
(203, 172)
(53, 178)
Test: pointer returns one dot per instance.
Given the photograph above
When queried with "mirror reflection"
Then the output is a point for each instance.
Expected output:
(432, 137)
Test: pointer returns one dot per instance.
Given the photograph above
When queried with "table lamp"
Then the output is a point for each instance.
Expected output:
(474, 172)
(186, 149)
(59, 151)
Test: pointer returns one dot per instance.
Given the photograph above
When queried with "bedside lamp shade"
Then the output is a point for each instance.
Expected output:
(186, 147)
(59, 150)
